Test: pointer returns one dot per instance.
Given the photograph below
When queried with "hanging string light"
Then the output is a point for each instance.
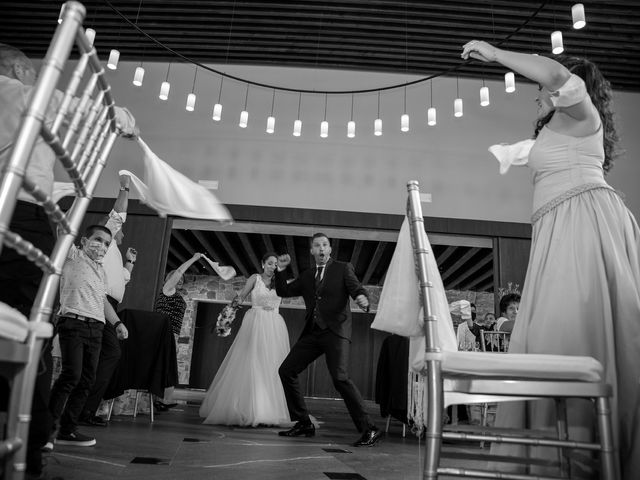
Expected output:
(61, 13)
(484, 95)
(556, 42)
(431, 112)
(377, 125)
(324, 125)
(404, 119)
(166, 86)
(271, 120)
(191, 98)
(509, 82)
(217, 108)
(114, 57)
(577, 16)
(351, 125)
(457, 103)
(244, 114)
(139, 74)
(297, 125)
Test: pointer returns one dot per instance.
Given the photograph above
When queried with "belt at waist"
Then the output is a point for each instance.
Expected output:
(75, 316)
(266, 309)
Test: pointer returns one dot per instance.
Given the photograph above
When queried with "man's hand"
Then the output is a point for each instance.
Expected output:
(121, 332)
(125, 181)
(283, 261)
(197, 256)
(131, 254)
(363, 302)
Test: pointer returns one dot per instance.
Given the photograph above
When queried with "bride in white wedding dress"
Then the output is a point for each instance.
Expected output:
(246, 390)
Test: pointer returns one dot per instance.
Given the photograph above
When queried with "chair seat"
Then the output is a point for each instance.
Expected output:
(15, 326)
(518, 366)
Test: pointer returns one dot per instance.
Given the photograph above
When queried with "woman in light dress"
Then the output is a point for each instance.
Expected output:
(246, 390)
(582, 289)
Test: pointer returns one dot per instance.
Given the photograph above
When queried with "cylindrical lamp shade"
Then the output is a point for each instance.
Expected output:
(457, 107)
(297, 128)
(244, 119)
(556, 42)
(431, 116)
(324, 129)
(191, 102)
(138, 76)
(91, 35)
(164, 90)
(351, 129)
(484, 96)
(509, 82)
(404, 123)
(217, 112)
(377, 127)
(271, 124)
(114, 56)
(577, 16)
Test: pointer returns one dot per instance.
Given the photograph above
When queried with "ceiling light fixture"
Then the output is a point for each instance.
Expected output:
(91, 35)
(377, 125)
(431, 112)
(297, 125)
(577, 16)
(191, 98)
(351, 125)
(271, 120)
(404, 119)
(244, 114)
(457, 103)
(556, 42)
(509, 82)
(324, 125)
(166, 86)
(484, 95)
(217, 108)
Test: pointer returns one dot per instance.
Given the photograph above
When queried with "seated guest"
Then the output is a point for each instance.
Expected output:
(509, 305)
(82, 315)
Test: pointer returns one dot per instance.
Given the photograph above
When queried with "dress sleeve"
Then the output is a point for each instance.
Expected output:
(571, 93)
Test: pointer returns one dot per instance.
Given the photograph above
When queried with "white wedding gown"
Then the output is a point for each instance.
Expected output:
(246, 390)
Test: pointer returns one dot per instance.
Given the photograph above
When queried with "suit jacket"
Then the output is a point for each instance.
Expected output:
(331, 299)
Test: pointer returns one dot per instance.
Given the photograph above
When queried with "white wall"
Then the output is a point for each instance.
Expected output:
(364, 174)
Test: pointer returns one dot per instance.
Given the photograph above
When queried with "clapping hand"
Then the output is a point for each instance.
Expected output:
(131, 254)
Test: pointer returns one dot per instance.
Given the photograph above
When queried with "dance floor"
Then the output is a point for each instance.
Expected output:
(178, 446)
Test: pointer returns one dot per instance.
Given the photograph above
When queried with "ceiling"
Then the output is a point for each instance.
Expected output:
(462, 267)
(413, 36)
(417, 37)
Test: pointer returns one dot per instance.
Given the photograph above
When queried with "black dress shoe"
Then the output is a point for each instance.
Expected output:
(299, 429)
(369, 438)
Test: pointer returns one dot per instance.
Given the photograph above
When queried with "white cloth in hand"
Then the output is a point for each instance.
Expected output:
(226, 273)
(462, 308)
(515, 154)
(169, 192)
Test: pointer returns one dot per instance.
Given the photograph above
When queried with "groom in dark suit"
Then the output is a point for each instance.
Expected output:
(326, 289)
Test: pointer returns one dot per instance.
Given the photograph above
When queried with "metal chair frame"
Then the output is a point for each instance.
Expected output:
(82, 146)
(444, 387)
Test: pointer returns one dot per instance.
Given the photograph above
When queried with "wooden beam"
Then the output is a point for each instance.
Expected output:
(292, 252)
(232, 253)
(210, 251)
(357, 248)
(373, 264)
(478, 280)
(469, 273)
(461, 261)
(335, 248)
(444, 255)
(244, 239)
(266, 238)
(185, 243)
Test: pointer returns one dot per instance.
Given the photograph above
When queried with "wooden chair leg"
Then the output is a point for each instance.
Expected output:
(150, 407)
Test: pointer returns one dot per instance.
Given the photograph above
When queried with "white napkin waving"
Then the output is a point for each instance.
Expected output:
(462, 308)
(515, 154)
(225, 273)
(169, 192)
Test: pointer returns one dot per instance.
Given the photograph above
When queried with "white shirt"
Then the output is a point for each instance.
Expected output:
(117, 275)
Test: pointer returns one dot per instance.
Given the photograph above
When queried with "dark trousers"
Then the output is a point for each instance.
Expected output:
(336, 350)
(110, 353)
(19, 283)
(80, 343)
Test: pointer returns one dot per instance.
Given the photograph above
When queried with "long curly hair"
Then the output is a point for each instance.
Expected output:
(599, 89)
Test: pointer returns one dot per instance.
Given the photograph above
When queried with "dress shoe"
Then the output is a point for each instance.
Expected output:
(299, 429)
(93, 421)
(369, 438)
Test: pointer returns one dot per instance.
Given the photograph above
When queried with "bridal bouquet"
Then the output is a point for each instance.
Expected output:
(225, 319)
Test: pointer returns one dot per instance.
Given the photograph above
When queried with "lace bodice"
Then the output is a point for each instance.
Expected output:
(261, 296)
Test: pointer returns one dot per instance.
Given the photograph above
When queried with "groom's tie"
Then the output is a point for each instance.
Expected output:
(319, 271)
(317, 318)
